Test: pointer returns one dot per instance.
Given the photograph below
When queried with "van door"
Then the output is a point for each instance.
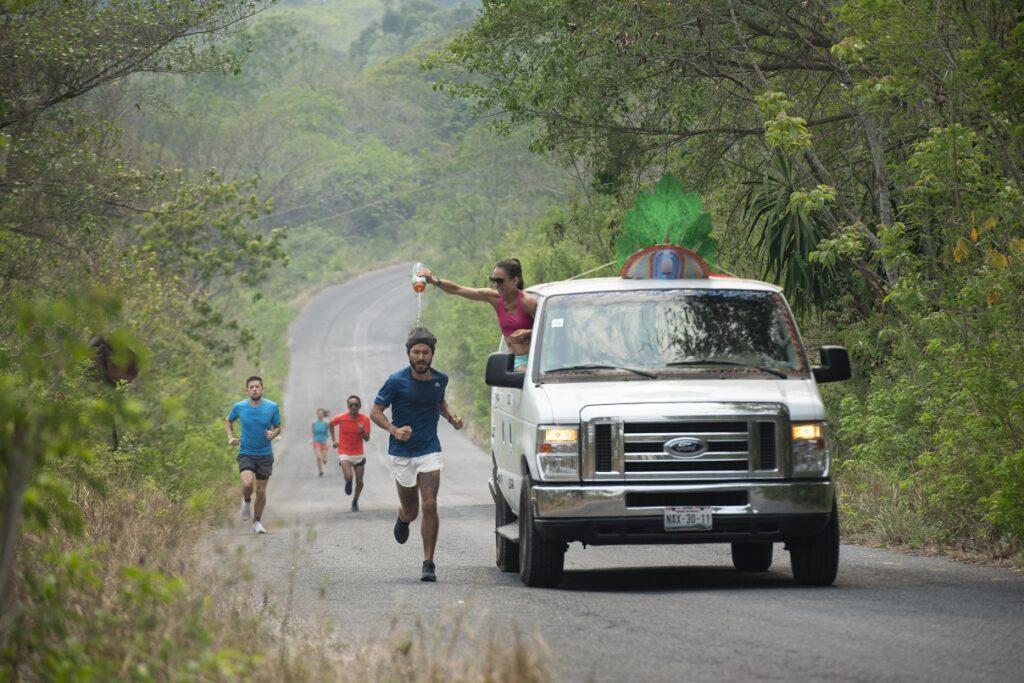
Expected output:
(503, 406)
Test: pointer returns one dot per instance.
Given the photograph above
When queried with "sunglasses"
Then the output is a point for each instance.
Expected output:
(354, 405)
(497, 281)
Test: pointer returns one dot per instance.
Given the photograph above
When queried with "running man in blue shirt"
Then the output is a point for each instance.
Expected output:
(416, 397)
(261, 422)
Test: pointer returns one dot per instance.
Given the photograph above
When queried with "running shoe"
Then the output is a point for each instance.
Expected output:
(348, 488)
(355, 506)
(244, 510)
(258, 528)
(401, 530)
(428, 571)
(321, 473)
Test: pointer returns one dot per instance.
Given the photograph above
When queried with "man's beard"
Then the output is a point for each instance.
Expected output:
(413, 365)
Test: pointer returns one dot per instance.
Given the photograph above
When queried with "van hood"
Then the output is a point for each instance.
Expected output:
(565, 401)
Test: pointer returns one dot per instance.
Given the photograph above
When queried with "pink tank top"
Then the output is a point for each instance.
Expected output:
(510, 323)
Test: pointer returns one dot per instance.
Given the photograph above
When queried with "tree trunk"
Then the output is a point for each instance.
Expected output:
(874, 132)
(20, 465)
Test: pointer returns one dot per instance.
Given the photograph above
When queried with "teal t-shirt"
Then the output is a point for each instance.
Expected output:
(320, 431)
(255, 421)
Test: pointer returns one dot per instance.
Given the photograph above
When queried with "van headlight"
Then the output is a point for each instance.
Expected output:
(558, 452)
(810, 449)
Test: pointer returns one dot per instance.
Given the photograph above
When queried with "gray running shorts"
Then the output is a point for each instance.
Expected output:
(260, 465)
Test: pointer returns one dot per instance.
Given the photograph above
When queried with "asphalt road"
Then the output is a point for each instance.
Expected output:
(672, 613)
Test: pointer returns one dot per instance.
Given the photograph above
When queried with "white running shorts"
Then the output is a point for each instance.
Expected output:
(406, 469)
(354, 460)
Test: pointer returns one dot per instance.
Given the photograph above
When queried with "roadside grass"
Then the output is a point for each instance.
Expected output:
(128, 601)
(878, 510)
(451, 651)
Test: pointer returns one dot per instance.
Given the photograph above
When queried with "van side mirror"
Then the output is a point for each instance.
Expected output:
(835, 365)
(499, 372)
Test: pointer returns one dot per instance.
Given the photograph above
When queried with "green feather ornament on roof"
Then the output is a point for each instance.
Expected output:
(669, 215)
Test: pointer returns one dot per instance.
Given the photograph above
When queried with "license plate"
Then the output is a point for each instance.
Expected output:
(687, 518)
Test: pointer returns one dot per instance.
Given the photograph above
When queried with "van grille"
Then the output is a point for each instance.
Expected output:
(704, 449)
(766, 444)
(642, 499)
(603, 448)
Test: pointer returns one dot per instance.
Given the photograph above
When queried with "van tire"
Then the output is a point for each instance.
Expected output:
(541, 562)
(506, 552)
(752, 557)
(815, 559)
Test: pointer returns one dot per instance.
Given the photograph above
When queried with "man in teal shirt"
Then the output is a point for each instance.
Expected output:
(261, 422)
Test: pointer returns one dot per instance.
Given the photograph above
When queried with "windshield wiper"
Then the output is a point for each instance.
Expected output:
(595, 366)
(717, 361)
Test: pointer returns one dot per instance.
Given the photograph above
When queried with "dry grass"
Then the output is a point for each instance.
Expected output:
(451, 651)
(880, 512)
(136, 606)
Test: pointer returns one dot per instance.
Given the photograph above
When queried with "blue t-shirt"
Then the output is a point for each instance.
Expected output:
(255, 420)
(417, 404)
(320, 431)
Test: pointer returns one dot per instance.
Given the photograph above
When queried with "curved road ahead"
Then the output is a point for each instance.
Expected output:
(673, 613)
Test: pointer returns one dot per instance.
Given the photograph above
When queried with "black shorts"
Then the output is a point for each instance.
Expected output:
(260, 465)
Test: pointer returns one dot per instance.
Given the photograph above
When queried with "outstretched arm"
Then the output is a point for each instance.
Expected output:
(471, 293)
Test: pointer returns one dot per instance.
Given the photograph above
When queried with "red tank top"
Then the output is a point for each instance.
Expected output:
(349, 440)
(520, 320)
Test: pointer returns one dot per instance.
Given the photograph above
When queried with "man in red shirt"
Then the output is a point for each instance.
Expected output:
(353, 431)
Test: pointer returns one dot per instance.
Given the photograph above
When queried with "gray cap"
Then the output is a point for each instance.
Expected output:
(420, 335)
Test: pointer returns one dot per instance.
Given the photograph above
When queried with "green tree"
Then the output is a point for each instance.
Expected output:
(56, 51)
(623, 84)
(82, 231)
(50, 407)
(864, 153)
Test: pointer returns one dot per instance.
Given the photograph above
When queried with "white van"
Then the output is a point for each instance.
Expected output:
(663, 411)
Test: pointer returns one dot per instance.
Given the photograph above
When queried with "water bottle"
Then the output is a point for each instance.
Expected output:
(419, 283)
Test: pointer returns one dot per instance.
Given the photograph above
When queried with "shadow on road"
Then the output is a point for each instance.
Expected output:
(682, 579)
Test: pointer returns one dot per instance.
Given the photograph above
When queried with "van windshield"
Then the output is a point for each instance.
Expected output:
(654, 333)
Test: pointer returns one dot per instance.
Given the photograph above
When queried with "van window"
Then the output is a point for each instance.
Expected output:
(668, 332)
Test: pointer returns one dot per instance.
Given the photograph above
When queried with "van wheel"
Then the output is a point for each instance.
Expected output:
(815, 559)
(506, 552)
(541, 562)
(752, 557)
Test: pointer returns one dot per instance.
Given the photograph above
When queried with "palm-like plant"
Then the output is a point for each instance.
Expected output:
(785, 235)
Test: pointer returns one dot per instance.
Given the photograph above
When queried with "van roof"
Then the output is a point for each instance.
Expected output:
(618, 284)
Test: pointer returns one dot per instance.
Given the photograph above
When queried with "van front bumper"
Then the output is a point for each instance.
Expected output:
(601, 515)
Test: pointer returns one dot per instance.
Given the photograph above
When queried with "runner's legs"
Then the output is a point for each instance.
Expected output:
(248, 477)
(428, 484)
(261, 498)
(408, 503)
(359, 480)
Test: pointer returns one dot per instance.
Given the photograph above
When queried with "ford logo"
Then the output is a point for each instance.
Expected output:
(686, 447)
